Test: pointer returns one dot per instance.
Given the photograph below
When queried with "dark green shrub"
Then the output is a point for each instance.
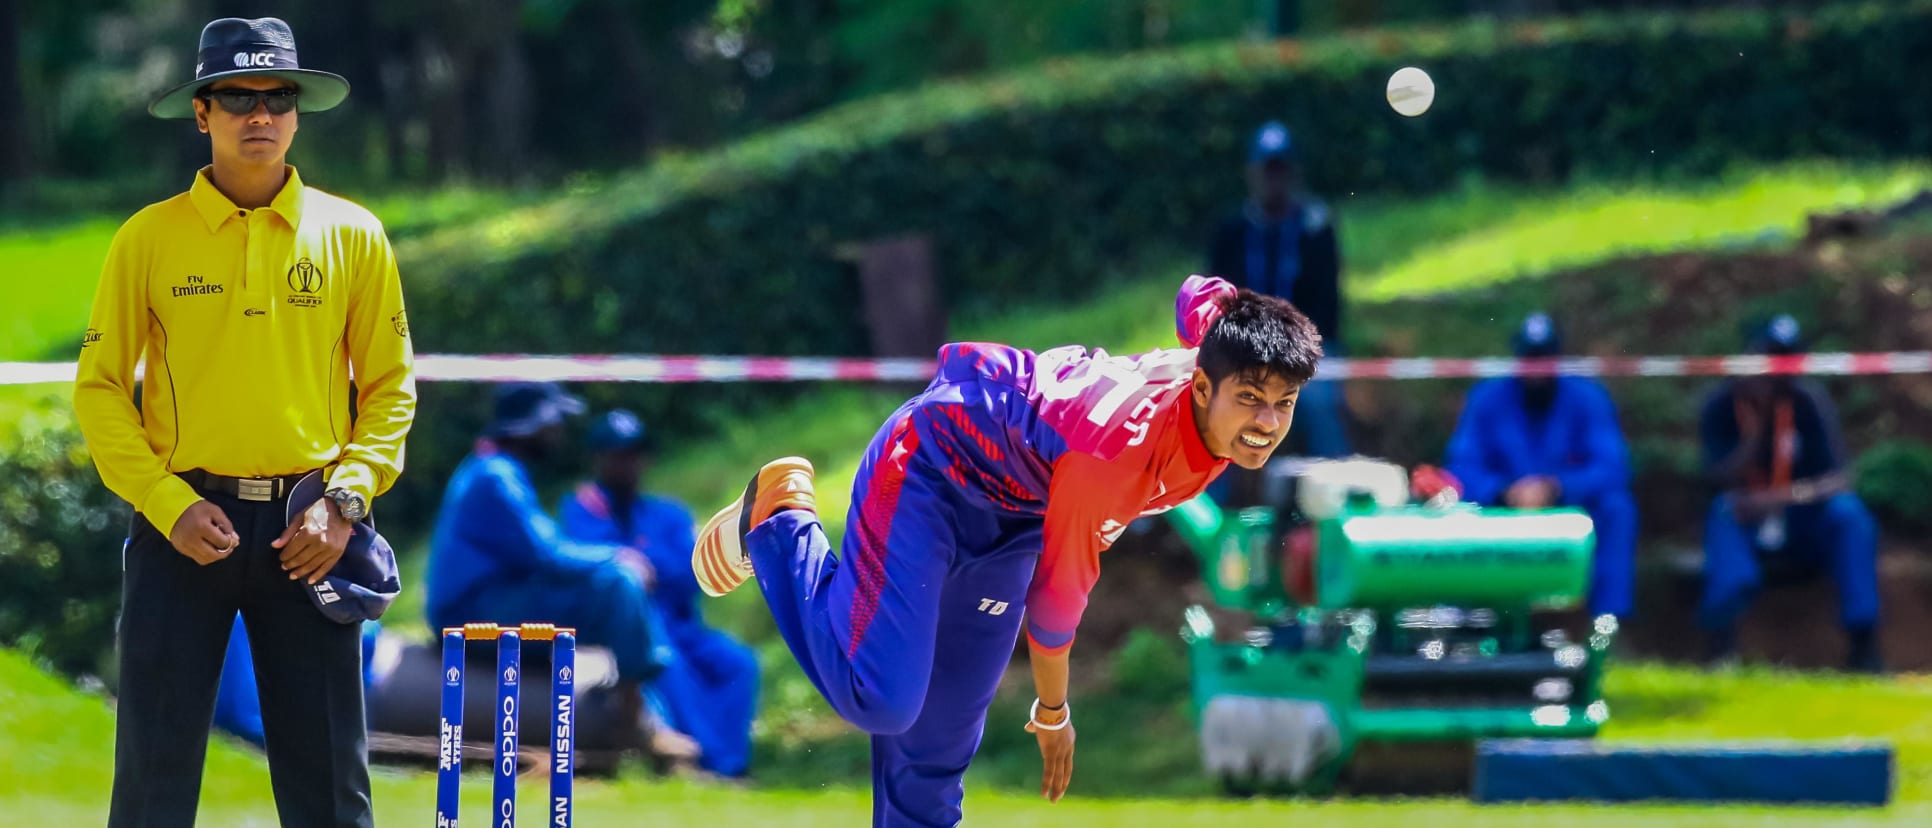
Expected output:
(1032, 183)
(1151, 665)
(1894, 478)
(60, 545)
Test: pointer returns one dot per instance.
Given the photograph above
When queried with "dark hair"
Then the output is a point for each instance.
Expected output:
(1259, 336)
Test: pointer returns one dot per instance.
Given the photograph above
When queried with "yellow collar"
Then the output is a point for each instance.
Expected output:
(215, 207)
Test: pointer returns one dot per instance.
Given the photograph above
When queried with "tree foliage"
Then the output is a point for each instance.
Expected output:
(509, 91)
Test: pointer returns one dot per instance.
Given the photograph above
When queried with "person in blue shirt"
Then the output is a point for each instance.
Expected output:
(496, 556)
(1775, 455)
(709, 687)
(1535, 442)
(1282, 243)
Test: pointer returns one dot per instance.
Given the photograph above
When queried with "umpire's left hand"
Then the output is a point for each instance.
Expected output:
(313, 542)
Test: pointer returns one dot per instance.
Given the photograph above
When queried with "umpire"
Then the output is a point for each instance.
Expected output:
(253, 299)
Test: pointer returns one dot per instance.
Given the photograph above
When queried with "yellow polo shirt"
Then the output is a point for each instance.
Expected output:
(251, 323)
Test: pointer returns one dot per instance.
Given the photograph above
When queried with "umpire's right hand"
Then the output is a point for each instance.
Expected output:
(204, 534)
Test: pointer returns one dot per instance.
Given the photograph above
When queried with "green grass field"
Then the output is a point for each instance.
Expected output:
(56, 274)
(57, 767)
(1475, 236)
(1485, 236)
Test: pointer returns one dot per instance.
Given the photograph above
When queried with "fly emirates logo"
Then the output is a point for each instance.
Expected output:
(196, 286)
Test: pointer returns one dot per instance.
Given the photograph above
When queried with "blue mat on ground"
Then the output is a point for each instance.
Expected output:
(1527, 770)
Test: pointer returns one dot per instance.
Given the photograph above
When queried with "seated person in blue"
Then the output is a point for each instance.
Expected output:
(1536, 442)
(495, 556)
(709, 688)
(1775, 454)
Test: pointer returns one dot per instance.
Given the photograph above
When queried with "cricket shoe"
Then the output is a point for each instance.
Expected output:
(719, 559)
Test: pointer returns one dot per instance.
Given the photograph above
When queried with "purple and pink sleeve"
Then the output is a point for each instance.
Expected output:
(1198, 305)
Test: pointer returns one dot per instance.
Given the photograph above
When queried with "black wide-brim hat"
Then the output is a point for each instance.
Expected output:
(235, 48)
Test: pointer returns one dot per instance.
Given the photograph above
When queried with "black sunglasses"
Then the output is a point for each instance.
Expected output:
(243, 101)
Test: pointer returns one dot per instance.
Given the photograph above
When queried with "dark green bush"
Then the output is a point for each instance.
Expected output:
(1031, 183)
(60, 545)
(1893, 478)
(1151, 665)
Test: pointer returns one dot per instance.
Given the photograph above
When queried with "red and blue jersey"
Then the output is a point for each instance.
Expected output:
(1086, 440)
(995, 489)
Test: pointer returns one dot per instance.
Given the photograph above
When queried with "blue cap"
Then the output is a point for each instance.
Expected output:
(1778, 335)
(1537, 337)
(619, 430)
(364, 581)
(362, 585)
(525, 408)
(1272, 141)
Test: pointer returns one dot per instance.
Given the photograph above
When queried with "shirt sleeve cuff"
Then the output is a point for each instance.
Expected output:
(166, 501)
(1038, 646)
(356, 477)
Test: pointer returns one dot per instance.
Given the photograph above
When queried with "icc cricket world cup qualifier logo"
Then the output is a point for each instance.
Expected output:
(305, 284)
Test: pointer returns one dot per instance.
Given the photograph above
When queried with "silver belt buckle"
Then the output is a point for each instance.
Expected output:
(256, 490)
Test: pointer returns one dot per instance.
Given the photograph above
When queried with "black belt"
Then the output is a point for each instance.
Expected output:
(258, 489)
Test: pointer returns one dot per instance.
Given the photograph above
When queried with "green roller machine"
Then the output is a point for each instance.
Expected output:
(1353, 620)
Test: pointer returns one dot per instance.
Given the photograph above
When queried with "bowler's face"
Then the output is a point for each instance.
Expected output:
(1242, 418)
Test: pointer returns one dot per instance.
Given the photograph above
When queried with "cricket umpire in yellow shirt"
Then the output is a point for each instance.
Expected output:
(251, 301)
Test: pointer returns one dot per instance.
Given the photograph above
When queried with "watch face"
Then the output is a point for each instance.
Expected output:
(350, 504)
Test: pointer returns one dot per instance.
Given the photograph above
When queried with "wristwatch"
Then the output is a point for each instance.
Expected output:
(352, 506)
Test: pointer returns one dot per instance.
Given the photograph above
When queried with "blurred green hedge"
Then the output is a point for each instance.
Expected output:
(60, 545)
(1033, 184)
(1893, 477)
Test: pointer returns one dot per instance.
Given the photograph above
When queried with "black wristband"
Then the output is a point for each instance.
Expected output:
(1055, 707)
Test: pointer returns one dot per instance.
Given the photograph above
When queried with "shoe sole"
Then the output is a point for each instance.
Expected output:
(719, 559)
(711, 560)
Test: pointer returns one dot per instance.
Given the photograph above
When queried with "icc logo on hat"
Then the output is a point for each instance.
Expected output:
(235, 47)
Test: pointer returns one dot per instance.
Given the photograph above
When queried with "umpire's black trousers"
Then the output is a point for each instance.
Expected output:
(175, 620)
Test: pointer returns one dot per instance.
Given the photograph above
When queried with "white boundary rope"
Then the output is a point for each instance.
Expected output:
(687, 369)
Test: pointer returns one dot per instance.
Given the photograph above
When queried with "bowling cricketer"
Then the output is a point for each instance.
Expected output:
(988, 498)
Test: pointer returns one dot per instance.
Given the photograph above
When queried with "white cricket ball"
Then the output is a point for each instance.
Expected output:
(1411, 91)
